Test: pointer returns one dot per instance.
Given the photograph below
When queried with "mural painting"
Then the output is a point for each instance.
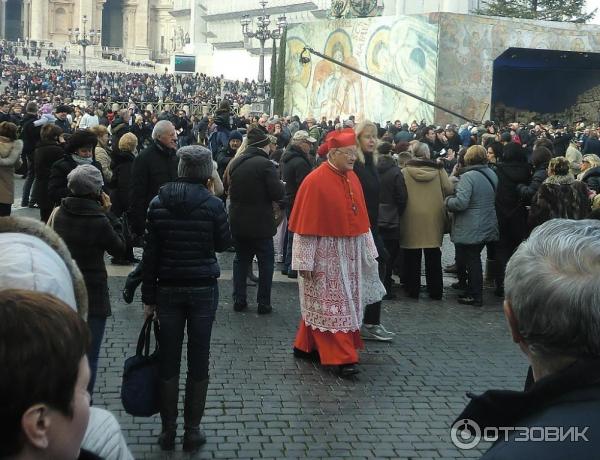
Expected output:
(401, 50)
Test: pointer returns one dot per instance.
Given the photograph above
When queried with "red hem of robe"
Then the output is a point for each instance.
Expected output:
(334, 348)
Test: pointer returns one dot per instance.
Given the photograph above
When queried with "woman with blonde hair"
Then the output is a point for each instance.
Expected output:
(590, 172)
(365, 168)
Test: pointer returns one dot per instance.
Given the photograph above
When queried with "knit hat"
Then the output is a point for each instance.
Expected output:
(85, 180)
(505, 137)
(257, 138)
(235, 134)
(195, 161)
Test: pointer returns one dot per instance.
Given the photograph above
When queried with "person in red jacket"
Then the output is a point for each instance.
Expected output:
(335, 255)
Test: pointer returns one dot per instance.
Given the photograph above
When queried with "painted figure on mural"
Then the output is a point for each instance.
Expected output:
(337, 91)
(414, 59)
(297, 78)
(387, 102)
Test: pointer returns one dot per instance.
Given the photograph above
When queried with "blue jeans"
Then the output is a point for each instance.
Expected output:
(245, 250)
(96, 325)
(177, 306)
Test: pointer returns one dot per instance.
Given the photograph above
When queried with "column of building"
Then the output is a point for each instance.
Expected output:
(141, 21)
(39, 19)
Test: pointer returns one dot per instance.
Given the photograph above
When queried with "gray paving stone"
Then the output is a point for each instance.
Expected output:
(263, 403)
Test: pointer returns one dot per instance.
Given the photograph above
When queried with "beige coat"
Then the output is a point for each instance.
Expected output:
(10, 158)
(104, 159)
(422, 224)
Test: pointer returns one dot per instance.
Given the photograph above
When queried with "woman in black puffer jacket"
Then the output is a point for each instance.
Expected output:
(186, 226)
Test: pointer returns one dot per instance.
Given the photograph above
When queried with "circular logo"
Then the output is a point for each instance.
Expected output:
(465, 434)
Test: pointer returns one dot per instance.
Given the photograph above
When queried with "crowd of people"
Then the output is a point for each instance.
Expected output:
(25, 82)
(348, 208)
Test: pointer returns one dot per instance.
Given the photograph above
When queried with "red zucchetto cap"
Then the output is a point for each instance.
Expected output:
(339, 139)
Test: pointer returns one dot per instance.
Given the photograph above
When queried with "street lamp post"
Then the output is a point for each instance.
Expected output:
(262, 33)
(84, 39)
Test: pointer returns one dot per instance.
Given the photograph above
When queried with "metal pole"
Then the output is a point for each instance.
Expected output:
(84, 61)
(261, 70)
(390, 85)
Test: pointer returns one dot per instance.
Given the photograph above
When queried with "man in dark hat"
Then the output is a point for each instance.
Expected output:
(62, 119)
(254, 185)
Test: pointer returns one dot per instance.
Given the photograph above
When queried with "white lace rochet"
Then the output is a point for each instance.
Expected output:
(345, 279)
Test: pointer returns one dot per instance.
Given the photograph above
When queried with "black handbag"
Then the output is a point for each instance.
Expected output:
(139, 389)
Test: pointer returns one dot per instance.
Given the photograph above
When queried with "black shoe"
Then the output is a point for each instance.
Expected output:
(284, 272)
(293, 274)
(459, 286)
(347, 370)
(128, 294)
(499, 291)
(390, 296)
(264, 309)
(239, 306)
(468, 300)
(312, 356)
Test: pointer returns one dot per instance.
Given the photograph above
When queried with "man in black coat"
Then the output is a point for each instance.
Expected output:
(254, 186)
(295, 165)
(552, 313)
(153, 167)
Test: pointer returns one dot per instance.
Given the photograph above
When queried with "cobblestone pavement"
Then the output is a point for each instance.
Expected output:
(264, 403)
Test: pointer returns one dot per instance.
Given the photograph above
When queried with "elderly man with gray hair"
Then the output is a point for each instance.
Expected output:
(552, 290)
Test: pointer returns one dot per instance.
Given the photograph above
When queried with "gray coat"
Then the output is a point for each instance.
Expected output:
(473, 206)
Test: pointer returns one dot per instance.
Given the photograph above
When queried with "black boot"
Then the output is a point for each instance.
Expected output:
(169, 396)
(133, 280)
(195, 400)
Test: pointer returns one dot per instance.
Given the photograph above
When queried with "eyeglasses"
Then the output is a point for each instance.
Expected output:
(348, 153)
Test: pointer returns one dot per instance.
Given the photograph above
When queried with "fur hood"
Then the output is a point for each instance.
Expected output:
(567, 179)
(10, 152)
(36, 229)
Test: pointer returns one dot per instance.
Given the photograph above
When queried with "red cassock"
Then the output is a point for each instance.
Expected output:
(329, 204)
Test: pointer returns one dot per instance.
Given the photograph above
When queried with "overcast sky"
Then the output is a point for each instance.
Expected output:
(591, 4)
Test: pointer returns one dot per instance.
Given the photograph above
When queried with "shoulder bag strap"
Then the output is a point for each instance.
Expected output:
(488, 179)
